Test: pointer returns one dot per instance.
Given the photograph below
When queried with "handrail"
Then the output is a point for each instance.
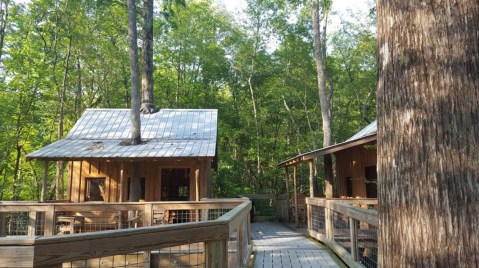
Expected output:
(54, 250)
(345, 228)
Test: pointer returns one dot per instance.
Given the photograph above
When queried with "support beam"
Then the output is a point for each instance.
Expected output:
(295, 179)
(287, 191)
(43, 196)
(328, 172)
(122, 181)
(311, 179)
(197, 184)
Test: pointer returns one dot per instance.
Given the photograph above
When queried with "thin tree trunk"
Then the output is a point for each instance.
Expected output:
(323, 97)
(147, 101)
(59, 178)
(428, 118)
(4, 8)
(135, 186)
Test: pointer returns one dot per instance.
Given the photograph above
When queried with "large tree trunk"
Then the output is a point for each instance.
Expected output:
(428, 134)
(323, 97)
(135, 188)
(147, 102)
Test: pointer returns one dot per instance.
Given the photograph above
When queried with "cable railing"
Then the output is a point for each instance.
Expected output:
(209, 233)
(347, 226)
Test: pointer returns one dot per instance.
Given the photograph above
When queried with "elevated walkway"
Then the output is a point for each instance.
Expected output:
(276, 245)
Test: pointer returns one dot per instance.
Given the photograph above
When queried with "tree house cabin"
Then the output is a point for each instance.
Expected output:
(175, 157)
(355, 168)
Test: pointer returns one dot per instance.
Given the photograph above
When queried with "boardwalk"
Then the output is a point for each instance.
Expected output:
(278, 246)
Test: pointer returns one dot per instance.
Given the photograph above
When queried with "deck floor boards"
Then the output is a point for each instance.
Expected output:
(276, 245)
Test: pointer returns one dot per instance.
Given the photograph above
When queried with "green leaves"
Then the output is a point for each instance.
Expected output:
(204, 58)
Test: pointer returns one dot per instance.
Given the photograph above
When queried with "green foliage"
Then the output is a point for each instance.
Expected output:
(203, 59)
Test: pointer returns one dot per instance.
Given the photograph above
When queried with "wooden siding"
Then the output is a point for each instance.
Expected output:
(351, 163)
(79, 171)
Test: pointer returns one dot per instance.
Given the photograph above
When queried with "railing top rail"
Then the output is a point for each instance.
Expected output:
(9, 206)
(362, 214)
(50, 250)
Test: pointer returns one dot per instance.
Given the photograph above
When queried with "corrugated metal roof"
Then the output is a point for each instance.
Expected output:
(167, 133)
(368, 130)
(365, 135)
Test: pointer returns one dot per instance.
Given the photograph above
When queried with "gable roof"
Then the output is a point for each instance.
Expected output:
(365, 135)
(166, 133)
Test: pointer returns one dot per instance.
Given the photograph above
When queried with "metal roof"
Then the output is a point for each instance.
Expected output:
(166, 133)
(365, 135)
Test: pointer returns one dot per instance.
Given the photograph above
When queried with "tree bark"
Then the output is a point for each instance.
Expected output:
(135, 187)
(147, 101)
(4, 13)
(428, 118)
(324, 100)
(134, 74)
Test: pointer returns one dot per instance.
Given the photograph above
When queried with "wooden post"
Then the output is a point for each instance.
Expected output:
(197, 184)
(239, 244)
(147, 221)
(122, 181)
(354, 238)
(43, 196)
(287, 193)
(295, 175)
(50, 221)
(197, 189)
(311, 179)
(328, 217)
(217, 253)
(3, 223)
(32, 223)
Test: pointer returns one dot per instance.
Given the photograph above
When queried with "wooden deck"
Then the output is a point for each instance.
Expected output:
(276, 245)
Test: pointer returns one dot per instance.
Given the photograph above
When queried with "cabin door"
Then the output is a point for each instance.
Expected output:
(175, 184)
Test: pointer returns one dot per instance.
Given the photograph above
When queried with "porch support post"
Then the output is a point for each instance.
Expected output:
(287, 192)
(295, 175)
(309, 211)
(43, 196)
(328, 172)
(197, 183)
(311, 179)
(122, 180)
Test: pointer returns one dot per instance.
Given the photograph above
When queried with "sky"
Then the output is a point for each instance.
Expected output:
(340, 7)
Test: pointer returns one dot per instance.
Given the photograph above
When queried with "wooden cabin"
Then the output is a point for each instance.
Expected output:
(355, 164)
(176, 156)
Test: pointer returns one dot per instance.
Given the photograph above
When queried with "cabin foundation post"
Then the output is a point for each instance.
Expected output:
(295, 175)
(43, 196)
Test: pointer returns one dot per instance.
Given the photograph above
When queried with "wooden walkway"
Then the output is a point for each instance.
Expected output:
(276, 245)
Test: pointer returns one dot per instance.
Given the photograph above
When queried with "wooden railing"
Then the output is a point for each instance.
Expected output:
(219, 229)
(347, 226)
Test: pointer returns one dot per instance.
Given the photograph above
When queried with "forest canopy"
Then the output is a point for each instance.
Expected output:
(59, 57)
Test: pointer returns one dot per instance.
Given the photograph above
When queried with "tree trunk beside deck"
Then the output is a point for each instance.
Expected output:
(428, 133)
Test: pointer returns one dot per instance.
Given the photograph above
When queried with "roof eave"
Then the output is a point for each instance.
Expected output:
(327, 150)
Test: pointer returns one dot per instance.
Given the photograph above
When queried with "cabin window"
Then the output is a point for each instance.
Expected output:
(371, 182)
(95, 189)
(142, 185)
(175, 184)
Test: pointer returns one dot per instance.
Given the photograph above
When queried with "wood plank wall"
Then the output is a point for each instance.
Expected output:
(351, 163)
(79, 171)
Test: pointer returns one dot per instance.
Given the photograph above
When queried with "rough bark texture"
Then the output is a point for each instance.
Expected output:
(147, 102)
(135, 188)
(323, 97)
(134, 74)
(428, 133)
